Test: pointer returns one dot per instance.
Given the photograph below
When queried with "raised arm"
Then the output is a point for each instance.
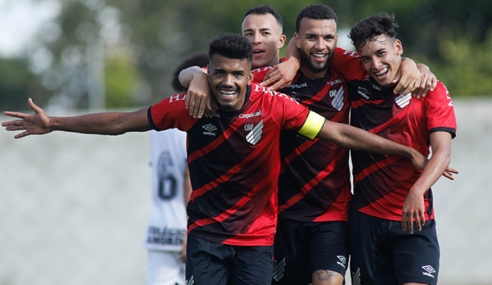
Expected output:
(414, 203)
(109, 123)
(283, 73)
(199, 98)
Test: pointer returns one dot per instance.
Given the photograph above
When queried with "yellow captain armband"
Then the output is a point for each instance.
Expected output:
(312, 126)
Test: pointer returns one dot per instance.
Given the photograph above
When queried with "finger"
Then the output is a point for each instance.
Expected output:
(187, 101)
(422, 220)
(13, 123)
(452, 170)
(201, 109)
(21, 135)
(196, 106)
(404, 221)
(269, 74)
(417, 221)
(270, 81)
(34, 107)
(434, 83)
(277, 85)
(15, 114)
(15, 128)
(410, 223)
(448, 175)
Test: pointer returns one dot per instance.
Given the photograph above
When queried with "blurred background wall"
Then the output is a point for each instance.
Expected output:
(73, 208)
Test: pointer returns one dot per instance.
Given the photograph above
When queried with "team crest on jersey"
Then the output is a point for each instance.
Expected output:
(337, 102)
(209, 129)
(254, 135)
(402, 102)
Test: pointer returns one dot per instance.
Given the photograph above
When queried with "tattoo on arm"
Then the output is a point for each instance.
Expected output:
(325, 274)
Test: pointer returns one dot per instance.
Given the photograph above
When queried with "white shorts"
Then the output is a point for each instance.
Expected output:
(165, 268)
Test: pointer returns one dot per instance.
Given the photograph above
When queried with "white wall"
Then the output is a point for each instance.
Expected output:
(73, 208)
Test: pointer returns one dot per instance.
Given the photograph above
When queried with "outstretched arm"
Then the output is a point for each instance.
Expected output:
(414, 203)
(109, 123)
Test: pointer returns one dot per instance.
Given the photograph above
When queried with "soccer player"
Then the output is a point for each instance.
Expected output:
(165, 238)
(391, 197)
(233, 158)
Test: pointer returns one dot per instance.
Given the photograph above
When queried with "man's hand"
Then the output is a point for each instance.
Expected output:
(281, 75)
(419, 161)
(413, 208)
(33, 124)
(428, 81)
(409, 80)
(199, 98)
(182, 252)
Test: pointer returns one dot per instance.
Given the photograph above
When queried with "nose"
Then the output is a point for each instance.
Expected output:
(228, 81)
(319, 44)
(256, 38)
(375, 63)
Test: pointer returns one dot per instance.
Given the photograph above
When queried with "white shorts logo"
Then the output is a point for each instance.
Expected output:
(429, 270)
(342, 261)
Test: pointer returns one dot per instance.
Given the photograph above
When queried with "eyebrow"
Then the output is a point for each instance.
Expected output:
(262, 29)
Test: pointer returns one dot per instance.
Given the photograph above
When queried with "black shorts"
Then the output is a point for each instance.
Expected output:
(307, 247)
(382, 253)
(212, 263)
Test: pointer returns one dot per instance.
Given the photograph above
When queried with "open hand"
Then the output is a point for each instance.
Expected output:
(32, 124)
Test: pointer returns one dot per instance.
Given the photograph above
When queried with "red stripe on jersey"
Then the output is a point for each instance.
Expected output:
(231, 211)
(222, 138)
(321, 175)
(204, 189)
(360, 102)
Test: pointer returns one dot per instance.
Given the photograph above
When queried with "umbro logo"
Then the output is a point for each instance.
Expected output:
(364, 93)
(210, 129)
(429, 270)
(342, 261)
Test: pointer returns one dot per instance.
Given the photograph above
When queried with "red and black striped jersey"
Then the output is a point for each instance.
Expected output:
(382, 182)
(314, 183)
(234, 163)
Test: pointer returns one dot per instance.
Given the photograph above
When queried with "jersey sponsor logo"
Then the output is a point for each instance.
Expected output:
(428, 270)
(334, 82)
(364, 92)
(402, 102)
(251, 115)
(342, 261)
(177, 97)
(298, 86)
(337, 102)
(210, 129)
(166, 236)
(254, 136)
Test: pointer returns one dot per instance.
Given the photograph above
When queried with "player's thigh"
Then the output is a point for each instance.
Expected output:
(328, 252)
(416, 256)
(253, 265)
(164, 268)
(371, 260)
(291, 253)
(208, 262)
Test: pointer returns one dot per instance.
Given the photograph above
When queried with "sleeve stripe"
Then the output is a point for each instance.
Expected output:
(151, 120)
(312, 126)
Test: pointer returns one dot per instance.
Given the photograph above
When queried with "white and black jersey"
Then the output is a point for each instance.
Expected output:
(168, 159)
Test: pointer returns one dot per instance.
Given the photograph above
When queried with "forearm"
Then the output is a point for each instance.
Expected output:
(360, 140)
(292, 53)
(109, 123)
(432, 172)
(186, 75)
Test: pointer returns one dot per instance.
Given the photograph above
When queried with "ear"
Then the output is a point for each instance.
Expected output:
(298, 40)
(398, 47)
(281, 41)
(251, 77)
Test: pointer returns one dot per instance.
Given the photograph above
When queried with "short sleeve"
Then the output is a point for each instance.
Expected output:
(440, 111)
(347, 64)
(170, 113)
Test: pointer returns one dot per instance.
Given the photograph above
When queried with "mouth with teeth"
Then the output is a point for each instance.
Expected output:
(228, 93)
(381, 74)
(319, 57)
(257, 52)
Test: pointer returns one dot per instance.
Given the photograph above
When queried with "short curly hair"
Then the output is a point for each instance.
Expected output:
(382, 23)
(316, 12)
(231, 46)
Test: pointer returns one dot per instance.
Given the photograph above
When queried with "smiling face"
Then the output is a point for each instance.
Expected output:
(316, 42)
(381, 58)
(228, 81)
(264, 32)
